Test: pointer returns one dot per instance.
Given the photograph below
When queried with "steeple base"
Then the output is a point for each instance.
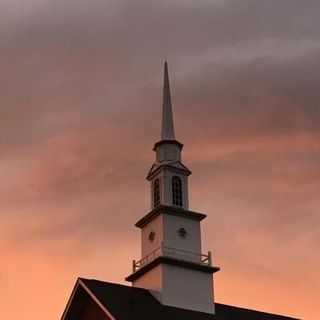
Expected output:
(174, 284)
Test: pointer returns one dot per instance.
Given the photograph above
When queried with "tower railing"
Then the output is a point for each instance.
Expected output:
(180, 254)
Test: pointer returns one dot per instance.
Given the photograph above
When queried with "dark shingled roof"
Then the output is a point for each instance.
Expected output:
(125, 303)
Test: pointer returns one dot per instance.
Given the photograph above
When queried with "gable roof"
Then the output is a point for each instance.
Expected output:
(124, 303)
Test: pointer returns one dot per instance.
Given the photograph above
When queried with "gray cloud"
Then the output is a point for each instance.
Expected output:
(80, 110)
(75, 69)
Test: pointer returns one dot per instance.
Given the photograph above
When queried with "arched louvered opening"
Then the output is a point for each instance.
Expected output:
(177, 191)
(156, 193)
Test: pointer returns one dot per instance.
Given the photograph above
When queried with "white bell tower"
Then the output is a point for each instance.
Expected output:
(172, 265)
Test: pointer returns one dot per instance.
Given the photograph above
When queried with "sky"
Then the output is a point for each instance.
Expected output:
(80, 110)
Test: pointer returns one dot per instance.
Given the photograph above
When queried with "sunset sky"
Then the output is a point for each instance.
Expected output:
(80, 110)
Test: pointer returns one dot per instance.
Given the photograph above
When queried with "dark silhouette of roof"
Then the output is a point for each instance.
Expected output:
(124, 303)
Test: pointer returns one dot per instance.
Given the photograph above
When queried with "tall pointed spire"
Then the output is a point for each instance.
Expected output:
(167, 132)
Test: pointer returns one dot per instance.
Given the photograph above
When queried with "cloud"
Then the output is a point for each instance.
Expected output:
(80, 110)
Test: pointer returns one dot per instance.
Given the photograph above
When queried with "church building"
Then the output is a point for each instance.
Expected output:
(173, 278)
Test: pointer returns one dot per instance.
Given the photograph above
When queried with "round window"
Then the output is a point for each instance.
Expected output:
(152, 236)
(182, 232)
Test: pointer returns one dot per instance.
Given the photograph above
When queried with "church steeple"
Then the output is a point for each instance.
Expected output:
(172, 265)
(167, 132)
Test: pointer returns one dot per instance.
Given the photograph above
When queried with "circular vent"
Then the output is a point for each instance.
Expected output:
(182, 232)
(152, 236)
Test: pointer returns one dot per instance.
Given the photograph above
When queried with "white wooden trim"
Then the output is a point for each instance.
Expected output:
(70, 300)
(81, 283)
(96, 300)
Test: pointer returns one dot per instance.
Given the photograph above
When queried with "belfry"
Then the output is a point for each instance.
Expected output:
(173, 278)
(172, 265)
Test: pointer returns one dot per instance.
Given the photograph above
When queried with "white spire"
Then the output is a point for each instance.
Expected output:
(167, 116)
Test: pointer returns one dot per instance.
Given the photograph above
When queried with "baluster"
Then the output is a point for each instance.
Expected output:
(209, 258)
(134, 265)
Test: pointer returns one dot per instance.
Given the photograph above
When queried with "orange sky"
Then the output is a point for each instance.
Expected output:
(80, 112)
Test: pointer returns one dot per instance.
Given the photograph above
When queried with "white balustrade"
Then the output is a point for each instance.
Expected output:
(164, 251)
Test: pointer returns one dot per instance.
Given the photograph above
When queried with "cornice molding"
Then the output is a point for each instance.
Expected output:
(168, 165)
(161, 142)
(169, 210)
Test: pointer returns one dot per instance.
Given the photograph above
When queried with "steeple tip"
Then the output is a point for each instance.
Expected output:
(167, 132)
